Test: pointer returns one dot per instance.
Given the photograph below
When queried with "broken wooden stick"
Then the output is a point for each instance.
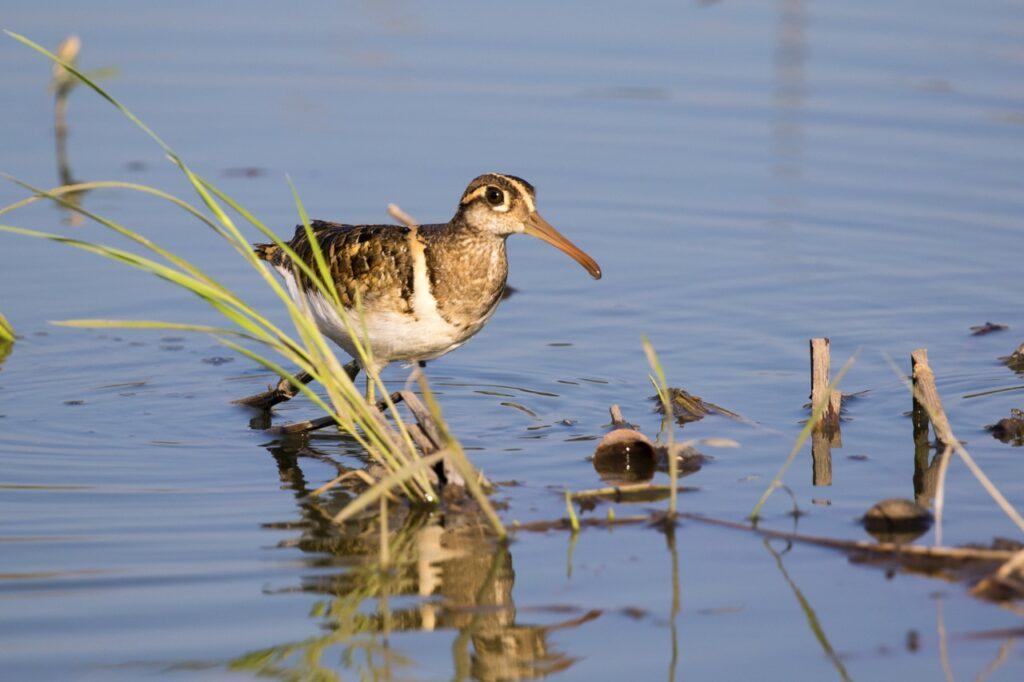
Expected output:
(820, 369)
(926, 398)
(286, 390)
(283, 392)
(321, 422)
(926, 395)
(826, 434)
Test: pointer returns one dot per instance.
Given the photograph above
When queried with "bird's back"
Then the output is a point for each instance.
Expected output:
(369, 262)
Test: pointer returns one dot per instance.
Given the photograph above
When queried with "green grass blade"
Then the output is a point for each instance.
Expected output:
(6, 330)
(153, 324)
(661, 387)
(109, 184)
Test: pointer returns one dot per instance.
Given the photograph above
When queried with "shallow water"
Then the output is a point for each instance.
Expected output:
(749, 175)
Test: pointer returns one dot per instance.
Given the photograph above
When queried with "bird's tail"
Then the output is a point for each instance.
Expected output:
(268, 252)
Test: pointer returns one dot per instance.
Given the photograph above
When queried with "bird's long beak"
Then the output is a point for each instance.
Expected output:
(542, 229)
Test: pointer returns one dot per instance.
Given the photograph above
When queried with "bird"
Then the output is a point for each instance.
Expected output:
(424, 290)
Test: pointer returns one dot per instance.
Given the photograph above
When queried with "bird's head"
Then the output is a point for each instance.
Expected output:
(504, 204)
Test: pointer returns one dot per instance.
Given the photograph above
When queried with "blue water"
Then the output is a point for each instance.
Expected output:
(748, 175)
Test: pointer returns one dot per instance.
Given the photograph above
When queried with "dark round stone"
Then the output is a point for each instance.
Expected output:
(897, 520)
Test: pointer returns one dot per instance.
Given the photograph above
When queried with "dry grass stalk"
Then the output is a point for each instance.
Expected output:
(927, 396)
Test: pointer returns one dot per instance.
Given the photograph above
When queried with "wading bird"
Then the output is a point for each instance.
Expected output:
(424, 290)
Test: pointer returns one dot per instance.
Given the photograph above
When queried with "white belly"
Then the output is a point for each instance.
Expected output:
(423, 335)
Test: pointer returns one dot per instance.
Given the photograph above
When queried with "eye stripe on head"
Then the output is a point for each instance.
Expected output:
(524, 189)
(512, 188)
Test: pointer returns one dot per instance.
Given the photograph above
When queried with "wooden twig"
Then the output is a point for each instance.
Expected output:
(618, 421)
(943, 431)
(820, 369)
(927, 395)
(620, 492)
(423, 442)
(423, 417)
(877, 548)
(590, 522)
(302, 427)
(321, 422)
(880, 548)
(283, 392)
(826, 434)
(816, 411)
(433, 439)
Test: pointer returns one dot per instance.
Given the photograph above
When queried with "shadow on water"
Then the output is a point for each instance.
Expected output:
(460, 580)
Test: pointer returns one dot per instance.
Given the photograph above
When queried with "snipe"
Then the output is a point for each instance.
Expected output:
(424, 291)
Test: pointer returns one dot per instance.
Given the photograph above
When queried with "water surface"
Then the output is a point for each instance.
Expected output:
(749, 175)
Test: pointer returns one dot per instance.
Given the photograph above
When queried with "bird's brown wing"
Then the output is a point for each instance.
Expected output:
(369, 261)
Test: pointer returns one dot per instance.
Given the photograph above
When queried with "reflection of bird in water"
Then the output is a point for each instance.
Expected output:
(424, 290)
(464, 580)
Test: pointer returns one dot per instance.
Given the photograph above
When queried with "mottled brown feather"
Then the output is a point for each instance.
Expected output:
(371, 261)
(466, 269)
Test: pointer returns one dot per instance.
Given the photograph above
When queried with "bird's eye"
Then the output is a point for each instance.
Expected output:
(495, 197)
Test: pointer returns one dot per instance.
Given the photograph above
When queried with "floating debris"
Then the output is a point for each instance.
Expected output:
(624, 455)
(1009, 429)
(687, 407)
(897, 520)
(1015, 360)
(688, 458)
(521, 408)
(244, 172)
(217, 360)
(987, 328)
